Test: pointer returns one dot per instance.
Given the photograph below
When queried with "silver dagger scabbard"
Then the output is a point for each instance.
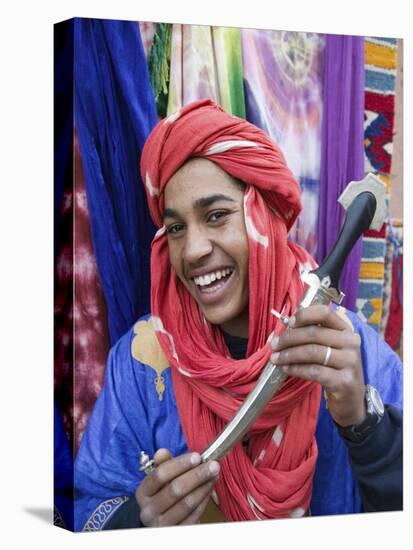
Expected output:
(365, 206)
(270, 380)
(268, 383)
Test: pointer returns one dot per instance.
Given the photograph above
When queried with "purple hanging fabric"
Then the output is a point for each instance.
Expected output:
(342, 147)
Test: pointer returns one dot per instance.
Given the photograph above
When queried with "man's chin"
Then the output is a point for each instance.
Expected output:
(232, 324)
(216, 317)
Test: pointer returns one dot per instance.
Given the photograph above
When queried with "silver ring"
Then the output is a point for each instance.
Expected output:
(328, 355)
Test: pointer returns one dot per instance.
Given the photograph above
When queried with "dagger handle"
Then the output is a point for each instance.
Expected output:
(357, 220)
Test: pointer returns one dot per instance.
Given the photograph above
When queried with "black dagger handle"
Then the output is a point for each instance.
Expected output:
(359, 216)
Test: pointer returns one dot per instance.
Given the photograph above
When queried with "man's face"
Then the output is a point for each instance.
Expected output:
(207, 239)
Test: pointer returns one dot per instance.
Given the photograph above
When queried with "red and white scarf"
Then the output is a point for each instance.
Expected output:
(274, 478)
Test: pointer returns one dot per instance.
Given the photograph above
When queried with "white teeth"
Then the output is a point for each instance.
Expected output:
(204, 280)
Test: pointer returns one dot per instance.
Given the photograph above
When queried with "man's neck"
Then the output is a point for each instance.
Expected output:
(237, 345)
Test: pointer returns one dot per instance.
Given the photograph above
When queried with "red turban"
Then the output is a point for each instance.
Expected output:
(274, 478)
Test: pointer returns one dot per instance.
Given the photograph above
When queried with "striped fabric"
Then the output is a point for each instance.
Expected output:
(380, 81)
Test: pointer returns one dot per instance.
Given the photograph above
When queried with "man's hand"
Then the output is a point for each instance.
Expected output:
(177, 491)
(302, 350)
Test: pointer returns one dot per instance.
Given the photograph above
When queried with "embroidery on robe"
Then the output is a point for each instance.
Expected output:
(102, 513)
(146, 349)
(58, 521)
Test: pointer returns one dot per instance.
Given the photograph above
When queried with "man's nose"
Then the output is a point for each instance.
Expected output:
(197, 245)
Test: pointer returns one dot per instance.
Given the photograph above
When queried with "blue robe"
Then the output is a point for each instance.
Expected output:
(137, 411)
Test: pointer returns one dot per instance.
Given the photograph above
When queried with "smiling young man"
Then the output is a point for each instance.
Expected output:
(207, 241)
(223, 198)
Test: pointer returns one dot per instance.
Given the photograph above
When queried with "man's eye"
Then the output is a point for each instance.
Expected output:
(174, 229)
(215, 216)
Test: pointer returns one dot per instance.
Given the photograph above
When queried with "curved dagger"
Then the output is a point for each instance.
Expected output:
(365, 205)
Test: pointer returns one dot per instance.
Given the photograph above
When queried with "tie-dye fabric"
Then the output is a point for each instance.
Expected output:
(276, 479)
(283, 89)
(91, 334)
(147, 31)
(80, 317)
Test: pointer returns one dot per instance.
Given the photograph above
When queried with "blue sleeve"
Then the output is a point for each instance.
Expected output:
(381, 365)
(343, 482)
(107, 464)
(130, 416)
(377, 462)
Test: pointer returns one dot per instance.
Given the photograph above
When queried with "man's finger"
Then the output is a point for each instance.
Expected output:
(167, 471)
(312, 334)
(318, 315)
(189, 509)
(184, 485)
(314, 373)
(310, 354)
(197, 513)
(162, 455)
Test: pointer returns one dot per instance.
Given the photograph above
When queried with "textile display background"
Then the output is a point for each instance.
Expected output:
(381, 250)
(342, 147)
(275, 79)
(102, 225)
(283, 79)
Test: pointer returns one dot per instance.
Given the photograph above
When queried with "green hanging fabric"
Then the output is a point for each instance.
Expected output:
(159, 61)
(229, 69)
(206, 62)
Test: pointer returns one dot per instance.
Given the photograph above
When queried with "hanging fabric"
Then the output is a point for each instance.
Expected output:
(342, 152)
(159, 60)
(380, 84)
(206, 62)
(283, 89)
(90, 320)
(114, 112)
(394, 325)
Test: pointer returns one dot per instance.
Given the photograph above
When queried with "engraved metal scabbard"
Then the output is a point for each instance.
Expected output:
(270, 380)
(365, 206)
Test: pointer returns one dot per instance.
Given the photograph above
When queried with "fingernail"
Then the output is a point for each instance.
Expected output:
(195, 459)
(274, 357)
(291, 321)
(214, 467)
(274, 342)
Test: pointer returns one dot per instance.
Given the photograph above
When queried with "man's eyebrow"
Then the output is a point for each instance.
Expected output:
(203, 202)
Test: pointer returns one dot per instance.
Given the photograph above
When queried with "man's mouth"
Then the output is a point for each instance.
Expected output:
(211, 286)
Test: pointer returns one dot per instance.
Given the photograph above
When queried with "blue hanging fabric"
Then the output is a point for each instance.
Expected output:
(114, 113)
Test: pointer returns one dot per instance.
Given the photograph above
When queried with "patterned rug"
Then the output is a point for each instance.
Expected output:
(381, 62)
